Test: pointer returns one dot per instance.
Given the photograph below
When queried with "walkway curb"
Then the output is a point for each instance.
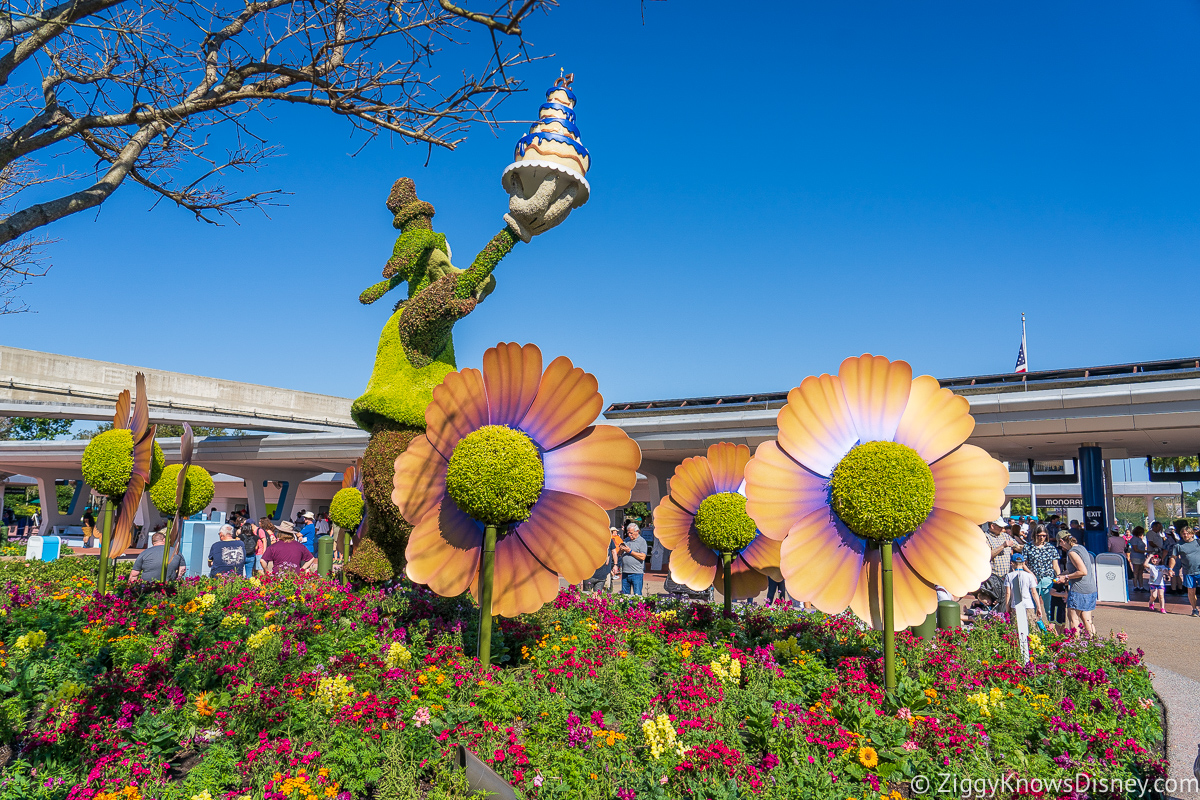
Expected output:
(1180, 697)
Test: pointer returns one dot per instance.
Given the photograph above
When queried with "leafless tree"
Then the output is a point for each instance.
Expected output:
(149, 90)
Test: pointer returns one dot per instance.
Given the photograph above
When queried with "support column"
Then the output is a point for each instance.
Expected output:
(658, 476)
(48, 500)
(255, 490)
(1149, 509)
(1091, 484)
(1110, 494)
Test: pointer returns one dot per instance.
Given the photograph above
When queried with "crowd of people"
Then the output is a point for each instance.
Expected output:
(243, 547)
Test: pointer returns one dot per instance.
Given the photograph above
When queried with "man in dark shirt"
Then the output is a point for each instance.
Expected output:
(226, 555)
(286, 555)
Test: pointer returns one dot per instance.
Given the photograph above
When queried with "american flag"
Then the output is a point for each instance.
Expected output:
(1022, 364)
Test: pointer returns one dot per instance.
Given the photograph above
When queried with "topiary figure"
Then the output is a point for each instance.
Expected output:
(198, 491)
(346, 508)
(108, 462)
(370, 564)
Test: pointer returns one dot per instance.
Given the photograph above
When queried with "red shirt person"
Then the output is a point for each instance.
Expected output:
(286, 555)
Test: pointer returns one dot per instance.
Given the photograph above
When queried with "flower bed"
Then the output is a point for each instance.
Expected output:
(298, 688)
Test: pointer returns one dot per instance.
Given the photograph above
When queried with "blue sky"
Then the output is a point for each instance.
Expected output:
(771, 192)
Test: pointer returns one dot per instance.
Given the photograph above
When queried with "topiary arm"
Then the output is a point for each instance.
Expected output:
(476, 281)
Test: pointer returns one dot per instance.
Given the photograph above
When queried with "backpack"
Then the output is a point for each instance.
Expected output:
(249, 540)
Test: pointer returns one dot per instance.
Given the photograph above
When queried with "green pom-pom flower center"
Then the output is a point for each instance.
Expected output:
(495, 475)
(882, 490)
(108, 462)
(346, 508)
(723, 524)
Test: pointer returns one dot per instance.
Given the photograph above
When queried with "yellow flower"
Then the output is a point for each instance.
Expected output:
(398, 656)
(202, 706)
(868, 757)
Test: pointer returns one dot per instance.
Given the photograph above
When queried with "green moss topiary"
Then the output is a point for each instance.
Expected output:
(198, 490)
(723, 524)
(385, 525)
(157, 462)
(882, 490)
(495, 475)
(108, 462)
(346, 508)
(369, 563)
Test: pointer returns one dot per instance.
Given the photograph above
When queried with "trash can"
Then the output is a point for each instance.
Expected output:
(926, 629)
(949, 615)
(324, 555)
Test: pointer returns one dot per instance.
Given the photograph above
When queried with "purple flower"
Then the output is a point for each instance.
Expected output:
(1067, 705)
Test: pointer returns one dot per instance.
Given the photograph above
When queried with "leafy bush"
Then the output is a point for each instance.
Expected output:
(369, 563)
(198, 490)
(108, 462)
(346, 508)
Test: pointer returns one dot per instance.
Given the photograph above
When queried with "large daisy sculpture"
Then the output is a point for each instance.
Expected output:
(868, 461)
(508, 487)
(703, 522)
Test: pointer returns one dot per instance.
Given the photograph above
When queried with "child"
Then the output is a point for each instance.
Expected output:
(1020, 591)
(1158, 577)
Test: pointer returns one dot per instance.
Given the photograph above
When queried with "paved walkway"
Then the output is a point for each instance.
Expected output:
(1171, 643)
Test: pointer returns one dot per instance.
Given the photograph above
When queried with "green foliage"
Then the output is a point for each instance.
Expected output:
(369, 563)
(176, 431)
(638, 512)
(198, 490)
(882, 490)
(397, 391)
(158, 461)
(33, 428)
(723, 524)
(346, 508)
(385, 525)
(108, 462)
(495, 475)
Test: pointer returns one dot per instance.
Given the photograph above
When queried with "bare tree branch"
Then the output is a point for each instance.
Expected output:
(141, 84)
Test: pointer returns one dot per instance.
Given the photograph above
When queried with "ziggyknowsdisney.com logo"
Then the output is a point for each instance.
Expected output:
(948, 784)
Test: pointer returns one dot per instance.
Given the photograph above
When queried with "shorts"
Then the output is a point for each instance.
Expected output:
(1158, 587)
(1078, 601)
(1191, 581)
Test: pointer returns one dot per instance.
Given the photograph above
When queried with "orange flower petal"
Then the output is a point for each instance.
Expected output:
(459, 406)
(935, 421)
(876, 393)
(443, 550)
(948, 550)
(599, 464)
(567, 533)
(521, 584)
(511, 374)
(780, 492)
(815, 427)
(691, 483)
(763, 555)
(913, 598)
(419, 481)
(694, 564)
(747, 581)
(970, 483)
(727, 463)
(566, 403)
(671, 524)
(821, 560)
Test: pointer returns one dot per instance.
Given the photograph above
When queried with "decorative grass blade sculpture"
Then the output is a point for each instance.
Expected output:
(184, 490)
(508, 487)
(546, 180)
(346, 511)
(703, 522)
(120, 464)
(868, 461)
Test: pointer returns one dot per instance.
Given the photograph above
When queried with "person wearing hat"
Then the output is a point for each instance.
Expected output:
(1002, 546)
(308, 534)
(287, 554)
(1020, 591)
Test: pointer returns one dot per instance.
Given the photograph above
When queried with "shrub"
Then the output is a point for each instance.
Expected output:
(198, 490)
(369, 563)
(108, 462)
(158, 462)
(346, 508)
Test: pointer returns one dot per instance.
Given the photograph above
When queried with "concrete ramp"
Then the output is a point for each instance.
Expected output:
(34, 384)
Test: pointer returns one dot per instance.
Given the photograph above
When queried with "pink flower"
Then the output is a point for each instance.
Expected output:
(910, 745)
(421, 717)
(538, 779)
(904, 714)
